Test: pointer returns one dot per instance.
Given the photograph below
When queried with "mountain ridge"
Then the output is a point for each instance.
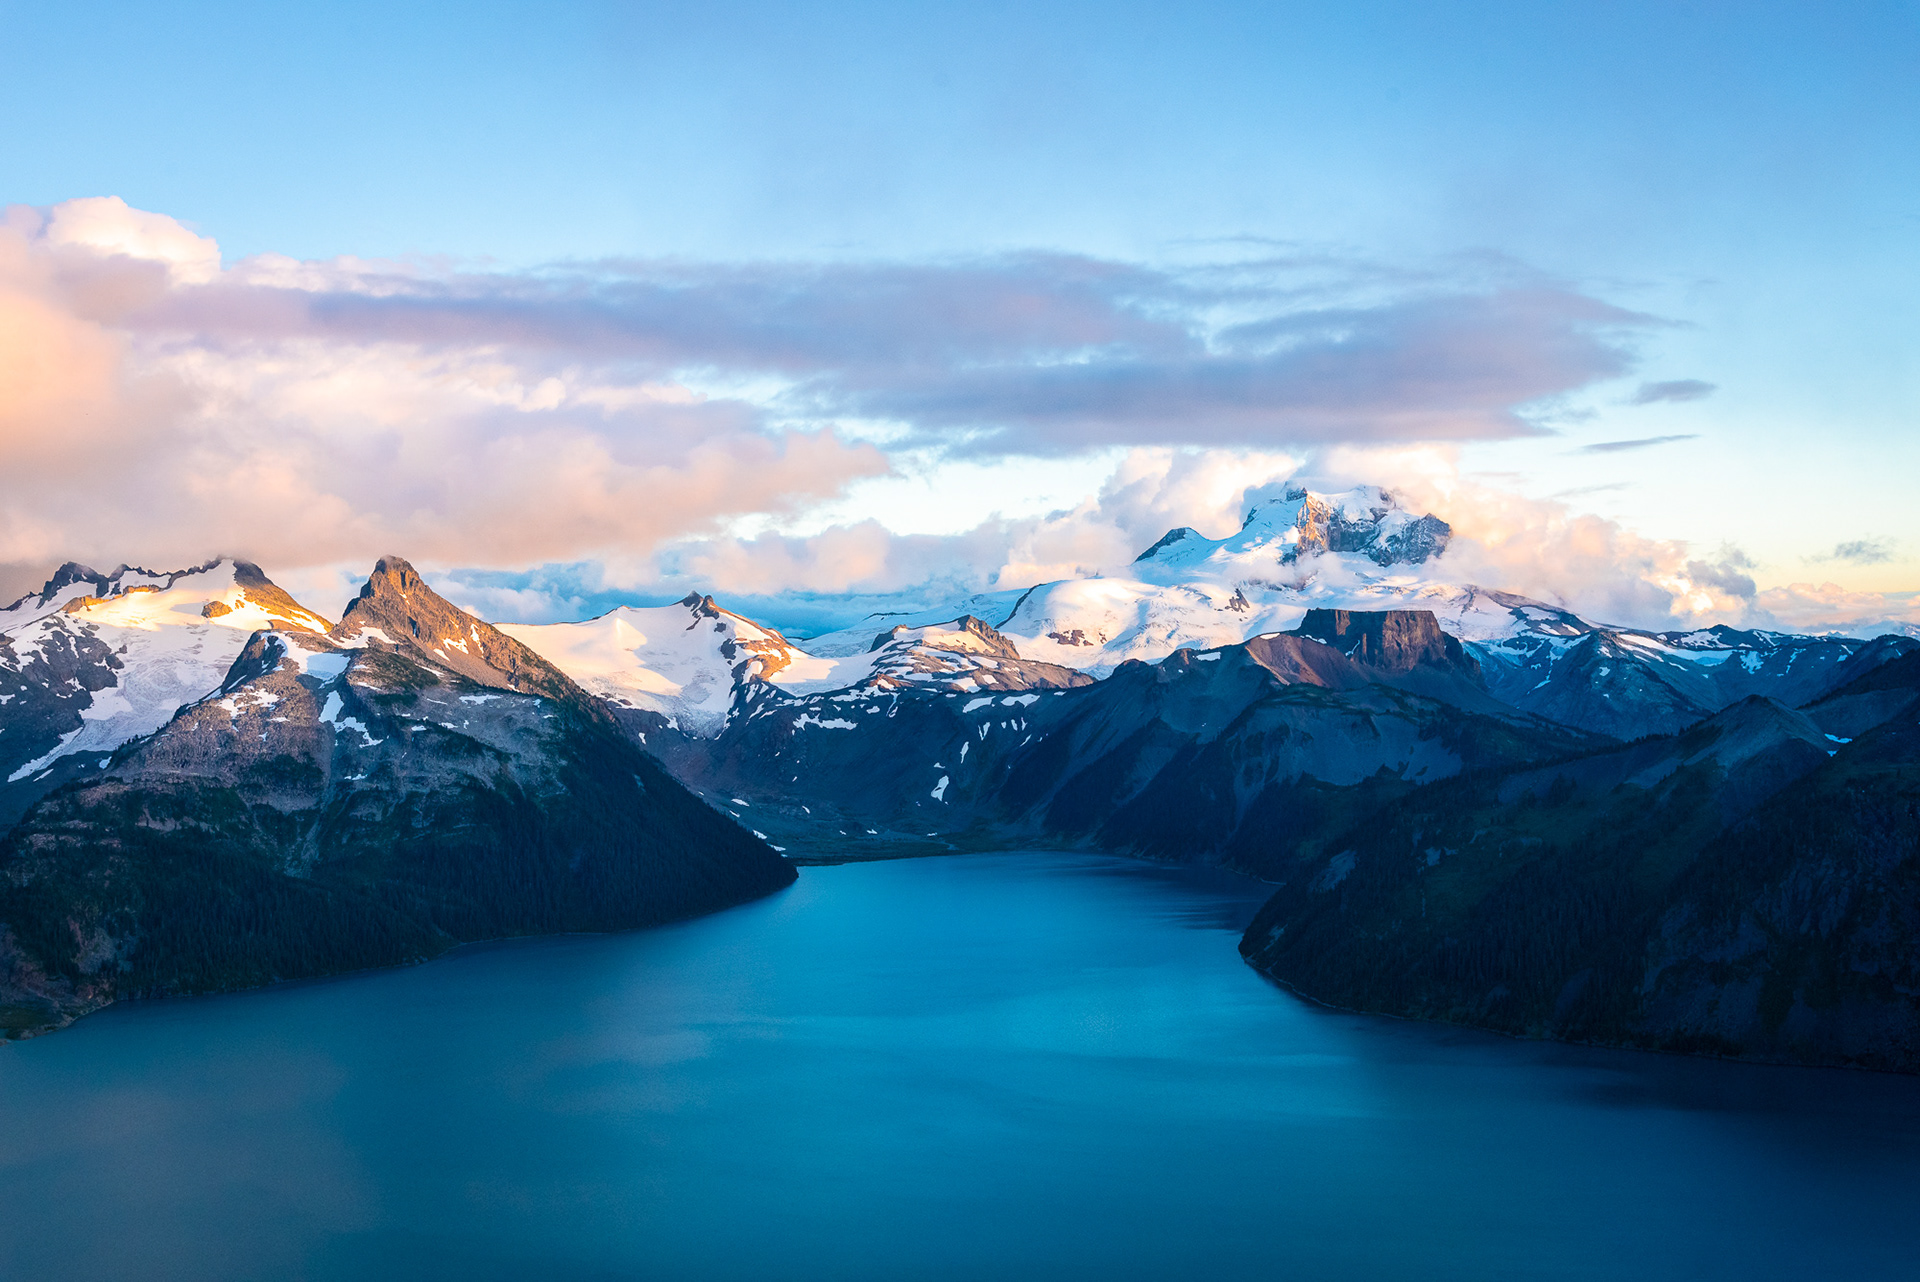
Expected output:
(367, 796)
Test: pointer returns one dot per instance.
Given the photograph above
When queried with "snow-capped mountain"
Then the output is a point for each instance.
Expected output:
(371, 795)
(1292, 554)
(692, 665)
(698, 665)
(1190, 745)
(94, 660)
(1366, 521)
(1273, 701)
(686, 662)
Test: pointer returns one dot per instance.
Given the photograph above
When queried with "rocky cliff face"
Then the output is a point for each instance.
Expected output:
(1391, 640)
(413, 779)
(1368, 521)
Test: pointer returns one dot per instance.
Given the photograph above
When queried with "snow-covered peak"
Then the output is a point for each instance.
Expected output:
(227, 594)
(683, 661)
(1366, 523)
(965, 635)
(94, 660)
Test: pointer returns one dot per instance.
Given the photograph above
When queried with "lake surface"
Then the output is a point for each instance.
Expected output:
(1007, 1067)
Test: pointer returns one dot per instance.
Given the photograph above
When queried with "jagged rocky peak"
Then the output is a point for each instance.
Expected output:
(754, 649)
(1392, 640)
(270, 598)
(69, 575)
(412, 780)
(1367, 520)
(397, 608)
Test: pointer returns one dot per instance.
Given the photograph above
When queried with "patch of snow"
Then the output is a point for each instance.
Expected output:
(59, 750)
(330, 714)
(325, 667)
(829, 723)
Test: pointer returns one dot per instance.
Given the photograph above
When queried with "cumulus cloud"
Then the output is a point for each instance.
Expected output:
(1616, 447)
(1546, 549)
(1679, 389)
(106, 227)
(1148, 491)
(1542, 548)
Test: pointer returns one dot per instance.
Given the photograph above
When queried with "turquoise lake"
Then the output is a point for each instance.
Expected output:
(980, 1067)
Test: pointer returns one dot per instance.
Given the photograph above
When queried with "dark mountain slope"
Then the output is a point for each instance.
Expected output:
(1750, 887)
(1166, 759)
(1627, 684)
(1880, 692)
(413, 780)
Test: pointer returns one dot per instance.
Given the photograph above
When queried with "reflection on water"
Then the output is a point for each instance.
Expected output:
(1019, 1066)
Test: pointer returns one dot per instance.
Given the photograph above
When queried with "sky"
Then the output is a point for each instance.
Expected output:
(583, 302)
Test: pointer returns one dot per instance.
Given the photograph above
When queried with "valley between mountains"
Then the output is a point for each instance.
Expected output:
(1472, 806)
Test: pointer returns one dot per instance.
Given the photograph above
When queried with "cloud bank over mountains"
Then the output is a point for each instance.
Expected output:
(163, 406)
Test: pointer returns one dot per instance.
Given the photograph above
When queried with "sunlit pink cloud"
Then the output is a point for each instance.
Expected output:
(123, 439)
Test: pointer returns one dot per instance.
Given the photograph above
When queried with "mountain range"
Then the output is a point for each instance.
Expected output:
(1475, 806)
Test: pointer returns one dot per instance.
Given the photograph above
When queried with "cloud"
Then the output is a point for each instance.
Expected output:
(1456, 367)
(1148, 491)
(107, 227)
(160, 404)
(1680, 389)
(1827, 606)
(1014, 353)
(127, 434)
(1726, 577)
(1861, 552)
(1541, 548)
(1615, 447)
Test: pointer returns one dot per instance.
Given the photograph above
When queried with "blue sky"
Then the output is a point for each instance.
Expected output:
(1740, 178)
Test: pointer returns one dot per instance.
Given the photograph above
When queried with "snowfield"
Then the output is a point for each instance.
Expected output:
(171, 637)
